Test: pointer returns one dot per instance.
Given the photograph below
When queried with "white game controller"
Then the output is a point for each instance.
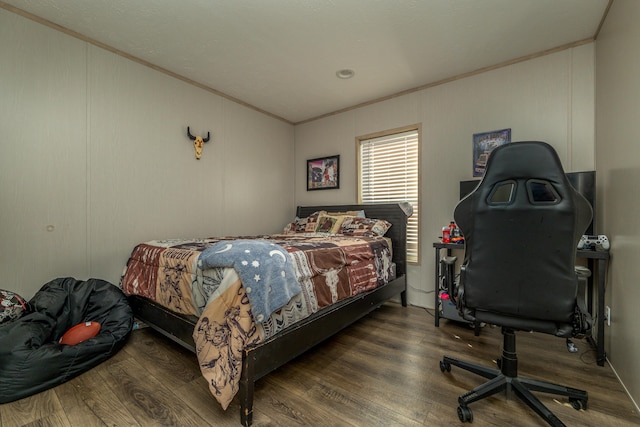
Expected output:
(599, 242)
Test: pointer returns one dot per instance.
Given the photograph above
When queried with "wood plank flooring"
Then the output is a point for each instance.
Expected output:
(382, 371)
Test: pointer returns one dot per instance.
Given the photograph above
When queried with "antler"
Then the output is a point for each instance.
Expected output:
(194, 138)
(189, 134)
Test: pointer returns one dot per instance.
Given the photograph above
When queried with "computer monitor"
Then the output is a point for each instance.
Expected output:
(584, 182)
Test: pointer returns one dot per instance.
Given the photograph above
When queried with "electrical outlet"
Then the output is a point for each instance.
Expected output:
(607, 315)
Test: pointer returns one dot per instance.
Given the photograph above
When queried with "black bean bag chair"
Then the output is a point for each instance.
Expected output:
(31, 358)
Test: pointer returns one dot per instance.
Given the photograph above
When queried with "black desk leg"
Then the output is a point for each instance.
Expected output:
(590, 281)
(598, 340)
(601, 288)
(436, 289)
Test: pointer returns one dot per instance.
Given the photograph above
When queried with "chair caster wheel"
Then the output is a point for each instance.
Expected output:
(445, 366)
(578, 404)
(464, 414)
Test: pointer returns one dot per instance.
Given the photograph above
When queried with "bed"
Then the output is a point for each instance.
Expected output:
(259, 356)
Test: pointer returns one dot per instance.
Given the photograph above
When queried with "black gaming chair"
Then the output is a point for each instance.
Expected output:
(521, 227)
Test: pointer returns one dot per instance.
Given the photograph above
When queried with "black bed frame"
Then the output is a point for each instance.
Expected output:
(263, 358)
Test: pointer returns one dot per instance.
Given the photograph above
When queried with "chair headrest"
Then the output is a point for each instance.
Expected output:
(527, 159)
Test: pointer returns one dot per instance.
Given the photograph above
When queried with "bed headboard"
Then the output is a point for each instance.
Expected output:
(395, 213)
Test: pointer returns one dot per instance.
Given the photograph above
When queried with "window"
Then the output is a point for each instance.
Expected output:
(388, 166)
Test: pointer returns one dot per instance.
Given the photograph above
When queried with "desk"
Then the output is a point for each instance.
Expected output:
(592, 257)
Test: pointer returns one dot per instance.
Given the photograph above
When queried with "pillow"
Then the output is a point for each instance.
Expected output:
(359, 213)
(303, 225)
(297, 226)
(312, 221)
(330, 223)
(310, 224)
(12, 306)
(368, 227)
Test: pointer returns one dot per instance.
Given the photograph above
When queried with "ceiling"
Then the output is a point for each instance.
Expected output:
(281, 56)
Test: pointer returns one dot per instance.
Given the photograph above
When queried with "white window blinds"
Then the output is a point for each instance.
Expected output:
(388, 172)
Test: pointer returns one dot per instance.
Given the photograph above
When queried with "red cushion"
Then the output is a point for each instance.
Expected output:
(80, 332)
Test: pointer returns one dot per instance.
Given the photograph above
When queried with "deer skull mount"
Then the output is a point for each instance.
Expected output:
(198, 141)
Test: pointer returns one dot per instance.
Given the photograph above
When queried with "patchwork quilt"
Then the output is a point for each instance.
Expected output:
(186, 277)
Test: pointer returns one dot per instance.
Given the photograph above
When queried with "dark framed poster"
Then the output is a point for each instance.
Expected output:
(483, 144)
(323, 173)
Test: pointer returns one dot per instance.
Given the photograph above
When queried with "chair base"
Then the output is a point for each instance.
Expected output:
(507, 379)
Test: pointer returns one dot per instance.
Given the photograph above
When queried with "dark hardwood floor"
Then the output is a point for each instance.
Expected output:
(382, 371)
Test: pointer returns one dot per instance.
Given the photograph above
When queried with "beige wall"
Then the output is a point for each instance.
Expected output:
(95, 146)
(550, 98)
(618, 168)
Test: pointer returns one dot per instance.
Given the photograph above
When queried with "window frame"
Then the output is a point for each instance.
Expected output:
(415, 218)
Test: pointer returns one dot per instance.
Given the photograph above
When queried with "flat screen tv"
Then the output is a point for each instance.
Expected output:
(584, 182)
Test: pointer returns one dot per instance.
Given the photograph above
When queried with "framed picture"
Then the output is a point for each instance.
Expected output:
(323, 173)
(483, 144)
